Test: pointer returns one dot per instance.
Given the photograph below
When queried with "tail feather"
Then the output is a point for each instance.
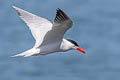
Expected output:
(30, 52)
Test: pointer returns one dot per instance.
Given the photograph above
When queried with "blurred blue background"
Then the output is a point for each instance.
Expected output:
(96, 28)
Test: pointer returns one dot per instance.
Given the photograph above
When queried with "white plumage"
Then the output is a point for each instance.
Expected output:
(48, 36)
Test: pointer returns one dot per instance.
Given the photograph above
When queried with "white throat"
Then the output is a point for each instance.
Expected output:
(66, 45)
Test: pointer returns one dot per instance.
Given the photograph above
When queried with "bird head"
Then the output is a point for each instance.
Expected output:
(76, 46)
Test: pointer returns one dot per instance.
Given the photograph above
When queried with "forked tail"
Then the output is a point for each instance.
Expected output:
(30, 52)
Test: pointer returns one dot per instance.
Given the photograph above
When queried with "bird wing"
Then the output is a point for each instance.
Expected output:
(39, 26)
(60, 25)
(43, 30)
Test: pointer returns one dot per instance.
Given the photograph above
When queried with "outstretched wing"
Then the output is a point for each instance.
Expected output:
(43, 30)
(38, 25)
(60, 25)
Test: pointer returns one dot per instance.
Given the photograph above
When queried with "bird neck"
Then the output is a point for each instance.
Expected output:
(65, 45)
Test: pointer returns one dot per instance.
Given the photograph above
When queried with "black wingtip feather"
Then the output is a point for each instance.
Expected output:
(18, 12)
(60, 16)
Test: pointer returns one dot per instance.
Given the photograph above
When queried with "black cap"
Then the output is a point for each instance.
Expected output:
(72, 41)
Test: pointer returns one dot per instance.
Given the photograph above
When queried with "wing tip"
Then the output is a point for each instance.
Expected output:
(17, 10)
(60, 16)
(13, 6)
(58, 9)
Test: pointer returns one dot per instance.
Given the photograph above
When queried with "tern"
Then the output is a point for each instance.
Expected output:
(49, 36)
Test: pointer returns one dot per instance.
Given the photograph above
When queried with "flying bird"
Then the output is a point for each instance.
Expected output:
(49, 36)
